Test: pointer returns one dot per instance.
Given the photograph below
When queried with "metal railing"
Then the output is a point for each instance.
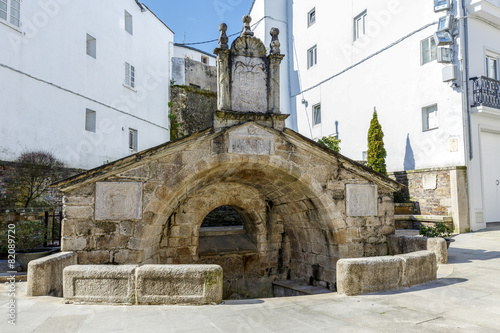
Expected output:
(485, 92)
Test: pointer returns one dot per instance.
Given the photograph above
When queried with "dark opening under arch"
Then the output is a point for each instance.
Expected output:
(223, 216)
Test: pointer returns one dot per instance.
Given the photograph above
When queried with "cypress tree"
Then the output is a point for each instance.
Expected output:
(376, 151)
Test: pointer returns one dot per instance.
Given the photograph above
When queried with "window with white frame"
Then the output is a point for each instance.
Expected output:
(10, 11)
(492, 65)
(91, 46)
(90, 120)
(132, 139)
(360, 25)
(428, 50)
(129, 23)
(430, 117)
(311, 17)
(129, 75)
(312, 56)
(316, 114)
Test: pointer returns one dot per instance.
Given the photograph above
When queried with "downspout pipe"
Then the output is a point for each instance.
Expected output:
(465, 29)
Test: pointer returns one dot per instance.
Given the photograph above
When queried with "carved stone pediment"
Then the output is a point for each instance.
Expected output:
(248, 47)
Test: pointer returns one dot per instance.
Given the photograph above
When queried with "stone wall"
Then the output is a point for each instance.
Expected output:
(191, 110)
(187, 72)
(292, 200)
(438, 191)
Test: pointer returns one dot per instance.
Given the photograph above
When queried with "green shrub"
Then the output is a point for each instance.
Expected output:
(376, 151)
(331, 142)
(440, 229)
(28, 236)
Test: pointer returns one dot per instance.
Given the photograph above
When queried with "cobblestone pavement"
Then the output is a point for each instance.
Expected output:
(465, 298)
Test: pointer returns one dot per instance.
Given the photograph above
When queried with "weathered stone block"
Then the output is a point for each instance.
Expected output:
(438, 246)
(45, 275)
(418, 267)
(365, 275)
(93, 257)
(361, 200)
(179, 284)
(99, 284)
(78, 212)
(78, 201)
(73, 244)
(118, 200)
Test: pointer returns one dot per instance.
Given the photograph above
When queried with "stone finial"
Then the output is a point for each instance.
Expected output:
(223, 40)
(247, 31)
(275, 43)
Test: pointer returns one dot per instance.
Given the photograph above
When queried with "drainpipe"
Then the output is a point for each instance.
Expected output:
(465, 53)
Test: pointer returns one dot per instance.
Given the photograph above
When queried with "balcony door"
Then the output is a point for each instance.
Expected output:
(492, 66)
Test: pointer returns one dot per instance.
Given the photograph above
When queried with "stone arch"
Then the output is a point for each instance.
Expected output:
(294, 219)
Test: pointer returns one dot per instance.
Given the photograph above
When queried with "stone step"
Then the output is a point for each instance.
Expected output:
(415, 221)
(295, 288)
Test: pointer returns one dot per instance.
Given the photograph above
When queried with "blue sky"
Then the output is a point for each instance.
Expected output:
(198, 20)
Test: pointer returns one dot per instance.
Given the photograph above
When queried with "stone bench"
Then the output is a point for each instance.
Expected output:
(365, 275)
(410, 221)
(148, 284)
(406, 244)
(45, 275)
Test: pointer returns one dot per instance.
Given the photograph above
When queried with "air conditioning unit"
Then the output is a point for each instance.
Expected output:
(444, 55)
(440, 5)
(450, 73)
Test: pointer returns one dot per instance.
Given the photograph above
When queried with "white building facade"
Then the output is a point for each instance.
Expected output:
(87, 80)
(345, 58)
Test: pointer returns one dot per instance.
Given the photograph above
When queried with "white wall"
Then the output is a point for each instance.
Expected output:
(194, 54)
(45, 107)
(393, 81)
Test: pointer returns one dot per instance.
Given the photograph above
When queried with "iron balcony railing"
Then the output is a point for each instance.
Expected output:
(485, 92)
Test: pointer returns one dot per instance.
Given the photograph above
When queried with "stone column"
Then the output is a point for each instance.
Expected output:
(223, 79)
(275, 59)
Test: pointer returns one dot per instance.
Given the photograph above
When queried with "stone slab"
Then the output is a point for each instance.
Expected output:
(251, 139)
(407, 244)
(109, 284)
(179, 284)
(418, 267)
(361, 200)
(118, 200)
(45, 275)
(365, 275)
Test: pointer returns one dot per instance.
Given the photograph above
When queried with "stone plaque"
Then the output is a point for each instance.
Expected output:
(249, 85)
(251, 139)
(429, 181)
(118, 201)
(361, 200)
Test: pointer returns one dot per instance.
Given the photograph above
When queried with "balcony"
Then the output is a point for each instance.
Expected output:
(485, 95)
(486, 9)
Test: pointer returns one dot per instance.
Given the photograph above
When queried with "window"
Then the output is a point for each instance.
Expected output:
(91, 46)
(90, 120)
(312, 56)
(428, 50)
(204, 60)
(132, 139)
(364, 156)
(430, 117)
(492, 66)
(360, 25)
(11, 13)
(317, 114)
(129, 75)
(311, 17)
(129, 27)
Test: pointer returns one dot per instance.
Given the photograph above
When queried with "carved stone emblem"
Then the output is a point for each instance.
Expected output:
(251, 139)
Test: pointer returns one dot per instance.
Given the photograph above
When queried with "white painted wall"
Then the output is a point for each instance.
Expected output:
(193, 54)
(351, 78)
(47, 81)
